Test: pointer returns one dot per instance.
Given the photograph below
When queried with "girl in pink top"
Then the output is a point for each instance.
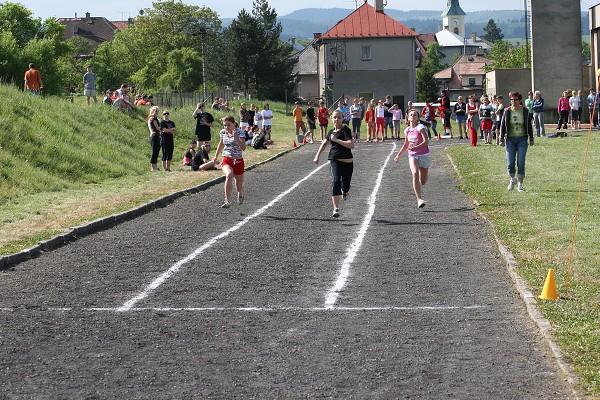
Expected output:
(417, 144)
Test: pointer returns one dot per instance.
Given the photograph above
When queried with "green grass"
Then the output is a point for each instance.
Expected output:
(537, 226)
(63, 163)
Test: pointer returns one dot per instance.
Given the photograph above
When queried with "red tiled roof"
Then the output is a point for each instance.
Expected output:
(94, 29)
(120, 24)
(366, 22)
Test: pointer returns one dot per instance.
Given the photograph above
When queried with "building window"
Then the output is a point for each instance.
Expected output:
(365, 53)
(471, 81)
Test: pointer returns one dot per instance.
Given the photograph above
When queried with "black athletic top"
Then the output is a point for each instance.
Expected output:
(338, 151)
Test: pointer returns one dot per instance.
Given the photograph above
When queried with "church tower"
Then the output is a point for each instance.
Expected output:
(453, 18)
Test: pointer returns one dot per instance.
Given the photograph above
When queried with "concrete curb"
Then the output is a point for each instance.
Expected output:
(100, 224)
(530, 301)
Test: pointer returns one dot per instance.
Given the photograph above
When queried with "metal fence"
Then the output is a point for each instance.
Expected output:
(174, 100)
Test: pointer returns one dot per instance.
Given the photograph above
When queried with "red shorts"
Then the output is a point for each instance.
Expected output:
(486, 125)
(237, 164)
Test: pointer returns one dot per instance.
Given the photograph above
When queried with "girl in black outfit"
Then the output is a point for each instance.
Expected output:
(340, 159)
(154, 128)
(167, 143)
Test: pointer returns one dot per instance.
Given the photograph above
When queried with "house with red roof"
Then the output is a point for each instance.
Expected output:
(368, 54)
(465, 77)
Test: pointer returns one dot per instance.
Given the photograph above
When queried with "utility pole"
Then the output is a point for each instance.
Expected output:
(205, 87)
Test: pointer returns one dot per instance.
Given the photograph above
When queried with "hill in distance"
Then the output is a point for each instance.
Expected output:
(303, 23)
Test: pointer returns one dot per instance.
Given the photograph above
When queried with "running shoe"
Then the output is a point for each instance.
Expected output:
(336, 213)
(226, 204)
(421, 203)
(511, 184)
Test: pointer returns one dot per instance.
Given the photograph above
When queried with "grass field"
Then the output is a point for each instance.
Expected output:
(63, 163)
(537, 226)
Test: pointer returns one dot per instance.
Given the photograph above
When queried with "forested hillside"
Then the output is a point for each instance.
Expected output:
(303, 23)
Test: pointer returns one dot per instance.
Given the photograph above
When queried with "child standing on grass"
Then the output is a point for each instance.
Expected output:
(417, 144)
(485, 114)
(232, 142)
(340, 159)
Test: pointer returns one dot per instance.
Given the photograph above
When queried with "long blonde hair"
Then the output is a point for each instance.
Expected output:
(152, 112)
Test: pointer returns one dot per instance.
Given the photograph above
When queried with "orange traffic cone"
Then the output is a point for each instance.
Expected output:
(295, 145)
(549, 290)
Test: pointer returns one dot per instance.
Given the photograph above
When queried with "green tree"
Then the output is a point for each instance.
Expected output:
(24, 39)
(586, 53)
(261, 61)
(492, 32)
(139, 54)
(427, 86)
(504, 55)
(17, 19)
(182, 72)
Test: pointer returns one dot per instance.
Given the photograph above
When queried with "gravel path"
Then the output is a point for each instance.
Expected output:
(193, 301)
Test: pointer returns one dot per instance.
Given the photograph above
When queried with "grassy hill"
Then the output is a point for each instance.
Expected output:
(64, 163)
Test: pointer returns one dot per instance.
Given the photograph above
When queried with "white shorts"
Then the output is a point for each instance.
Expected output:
(89, 92)
(422, 160)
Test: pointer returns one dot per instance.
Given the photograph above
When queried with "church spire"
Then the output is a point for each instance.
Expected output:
(453, 8)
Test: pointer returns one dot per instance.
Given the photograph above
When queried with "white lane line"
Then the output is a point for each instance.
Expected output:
(177, 266)
(262, 309)
(351, 252)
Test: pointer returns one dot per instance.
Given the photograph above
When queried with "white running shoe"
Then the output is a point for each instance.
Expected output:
(520, 188)
(336, 213)
(226, 204)
(421, 203)
(511, 184)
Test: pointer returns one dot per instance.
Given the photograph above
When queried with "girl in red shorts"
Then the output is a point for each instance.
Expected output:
(232, 142)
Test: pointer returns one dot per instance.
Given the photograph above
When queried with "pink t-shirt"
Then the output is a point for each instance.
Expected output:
(414, 137)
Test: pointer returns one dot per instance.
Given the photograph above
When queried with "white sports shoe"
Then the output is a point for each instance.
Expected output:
(520, 188)
(226, 204)
(511, 184)
(421, 203)
(336, 213)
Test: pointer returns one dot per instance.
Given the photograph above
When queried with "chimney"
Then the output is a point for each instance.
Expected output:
(293, 40)
(379, 6)
(474, 36)
(317, 35)
(87, 15)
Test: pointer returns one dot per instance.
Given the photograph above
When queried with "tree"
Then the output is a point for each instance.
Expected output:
(427, 86)
(261, 61)
(24, 39)
(504, 55)
(492, 32)
(139, 53)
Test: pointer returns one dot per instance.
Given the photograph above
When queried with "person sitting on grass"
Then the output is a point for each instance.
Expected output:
(201, 160)
(258, 140)
(188, 155)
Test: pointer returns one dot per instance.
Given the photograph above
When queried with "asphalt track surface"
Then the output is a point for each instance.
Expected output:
(274, 299)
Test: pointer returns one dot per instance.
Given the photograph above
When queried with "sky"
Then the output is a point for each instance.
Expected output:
(120, 10)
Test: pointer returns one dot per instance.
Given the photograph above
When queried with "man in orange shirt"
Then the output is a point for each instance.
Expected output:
(33, 80)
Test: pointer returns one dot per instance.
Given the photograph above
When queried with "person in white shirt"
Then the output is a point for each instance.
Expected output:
(267, 116)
